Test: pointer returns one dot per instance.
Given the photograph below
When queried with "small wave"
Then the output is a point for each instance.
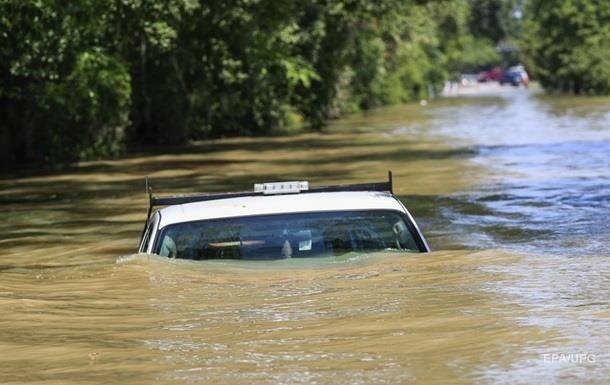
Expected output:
(135, 258)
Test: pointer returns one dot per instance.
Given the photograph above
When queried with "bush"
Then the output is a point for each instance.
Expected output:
(85, 114)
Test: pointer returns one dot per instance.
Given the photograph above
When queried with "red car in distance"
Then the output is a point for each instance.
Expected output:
(492, 75)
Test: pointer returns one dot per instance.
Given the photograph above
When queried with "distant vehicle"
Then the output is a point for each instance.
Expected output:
(281, 220)
(515, 76)
(492, 75)
(511, 77)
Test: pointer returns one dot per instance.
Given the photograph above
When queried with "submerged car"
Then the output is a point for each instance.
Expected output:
(281, 220)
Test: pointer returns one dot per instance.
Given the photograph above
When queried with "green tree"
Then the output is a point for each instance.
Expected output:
(494, 20)
(407, 52)
(328, 31)
(85, 114)
(77, 79)
(566, 44)
(230, 68)
(145, 35)
(64, 96)
(494, 25)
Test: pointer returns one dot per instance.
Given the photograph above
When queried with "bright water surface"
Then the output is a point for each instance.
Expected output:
(512, 189)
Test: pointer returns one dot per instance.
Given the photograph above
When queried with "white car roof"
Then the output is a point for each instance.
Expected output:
(279, 204)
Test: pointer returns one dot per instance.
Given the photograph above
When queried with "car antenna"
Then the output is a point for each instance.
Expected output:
(150, 199)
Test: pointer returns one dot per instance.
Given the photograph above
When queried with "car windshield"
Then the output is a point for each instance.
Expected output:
(294, 235)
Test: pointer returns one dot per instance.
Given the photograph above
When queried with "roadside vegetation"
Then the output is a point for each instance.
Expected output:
(88, 79)
(567, 44)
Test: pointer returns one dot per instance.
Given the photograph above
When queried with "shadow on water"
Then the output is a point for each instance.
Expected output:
(103, 203)
(96, 211)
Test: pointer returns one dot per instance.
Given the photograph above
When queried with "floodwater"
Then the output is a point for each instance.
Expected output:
(511, 187)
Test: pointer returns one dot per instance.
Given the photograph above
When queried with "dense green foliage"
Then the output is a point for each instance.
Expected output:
(567, 43)
(65, 94)
(494, 19)
(84, 79)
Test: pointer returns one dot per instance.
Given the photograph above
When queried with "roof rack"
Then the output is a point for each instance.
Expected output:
(155, 201)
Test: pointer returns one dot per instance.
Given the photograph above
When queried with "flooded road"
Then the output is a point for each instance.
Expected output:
(511, 188)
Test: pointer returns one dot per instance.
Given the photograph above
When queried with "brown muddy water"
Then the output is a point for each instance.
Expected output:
(511, 188)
